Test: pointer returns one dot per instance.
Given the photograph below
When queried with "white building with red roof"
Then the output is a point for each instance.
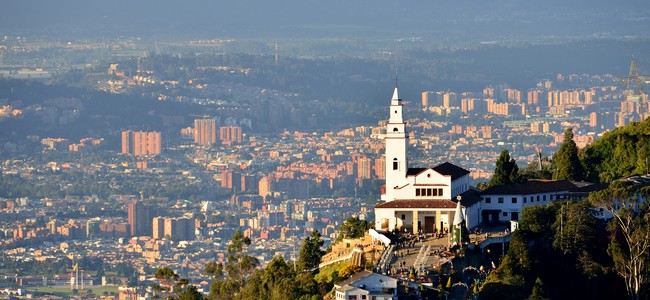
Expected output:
(419, 199)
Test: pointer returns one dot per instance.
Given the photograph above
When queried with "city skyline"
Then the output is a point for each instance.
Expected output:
(206, 146)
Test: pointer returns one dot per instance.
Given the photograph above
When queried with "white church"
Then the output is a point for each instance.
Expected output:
(425, 199)
(420, 199)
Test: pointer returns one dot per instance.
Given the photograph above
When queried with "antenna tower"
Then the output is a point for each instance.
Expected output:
(634, 78)
(277, 55)
(538, 151)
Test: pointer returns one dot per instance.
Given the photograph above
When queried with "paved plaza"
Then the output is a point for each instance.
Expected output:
(427, 252)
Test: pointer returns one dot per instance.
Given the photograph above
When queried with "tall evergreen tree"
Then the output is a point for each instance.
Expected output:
(506, 171)
(539, 292)
(567, 161)
(310, 252)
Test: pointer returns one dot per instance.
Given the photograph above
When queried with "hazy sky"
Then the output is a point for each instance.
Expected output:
(311, 18)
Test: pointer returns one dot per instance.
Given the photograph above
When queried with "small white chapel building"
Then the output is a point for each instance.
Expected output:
(420, 199)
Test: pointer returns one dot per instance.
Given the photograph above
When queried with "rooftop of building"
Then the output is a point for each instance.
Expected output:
(360, 275)
(446, 168)
(532, 187)
(469, 197)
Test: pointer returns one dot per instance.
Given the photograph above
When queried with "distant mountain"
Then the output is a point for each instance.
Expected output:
(73, 113)
(311, 18)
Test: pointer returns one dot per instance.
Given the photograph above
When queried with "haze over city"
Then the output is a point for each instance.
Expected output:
(323, 149)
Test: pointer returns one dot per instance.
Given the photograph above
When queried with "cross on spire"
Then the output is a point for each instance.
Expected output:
(396, 80)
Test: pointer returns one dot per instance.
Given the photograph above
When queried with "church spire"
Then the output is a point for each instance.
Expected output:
(395, 95)
(395, 100)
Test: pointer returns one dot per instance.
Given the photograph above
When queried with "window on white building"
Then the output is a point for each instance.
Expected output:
(422, 192)
(514, 199)
(488, 200)
(500, 199)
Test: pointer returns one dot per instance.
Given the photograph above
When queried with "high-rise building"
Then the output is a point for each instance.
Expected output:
(364, 165)
(265, 186)
(249, 183)
(140, 219)
(488, 92)
(205, 132)
(139, 143)
(380, 167)
(231, 180)
(512, 95)
(158, 228)
(425, 98)
(179, 229)
(534, 96)
(449, 100)
(229, 135)
(92, 227)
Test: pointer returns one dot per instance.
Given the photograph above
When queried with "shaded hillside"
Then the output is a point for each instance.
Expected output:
(622, 152)
(73, 113)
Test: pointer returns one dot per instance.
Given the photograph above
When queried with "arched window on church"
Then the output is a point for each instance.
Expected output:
(395, 129)
(395, 164)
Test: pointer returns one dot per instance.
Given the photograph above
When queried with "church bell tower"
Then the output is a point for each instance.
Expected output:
(396, 163)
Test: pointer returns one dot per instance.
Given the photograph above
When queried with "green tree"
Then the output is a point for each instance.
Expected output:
(174, 287)
(239, 268)
(532, 170)
(348, 271)
(574, 227)
(214, 269)
(575, 233)
(310, 252)
(279, 281)
(306, 284)
(567, 162)
(504, 283)
(539, 292)
(353, 228)
(506, 170)
(190, 293)
(630, 226)
(254, 288)
(482, 185)
(238, 242)
(166, 275)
